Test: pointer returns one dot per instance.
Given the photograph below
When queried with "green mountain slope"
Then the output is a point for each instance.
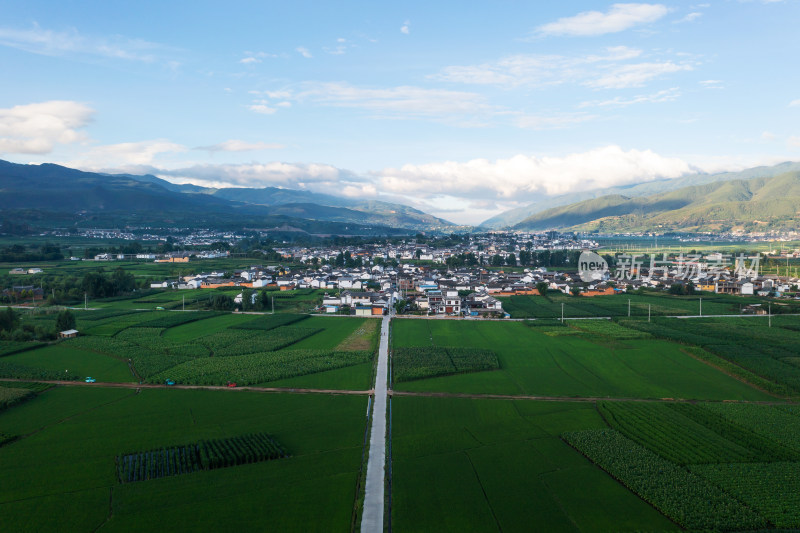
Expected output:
(515, 216)
(750, 205)
(52, 194)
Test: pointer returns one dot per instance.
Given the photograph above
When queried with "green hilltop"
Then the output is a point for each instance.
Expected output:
(755, 204)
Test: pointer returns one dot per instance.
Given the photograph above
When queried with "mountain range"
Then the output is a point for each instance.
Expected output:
(751, 204)
(514, 217)
(53, 194)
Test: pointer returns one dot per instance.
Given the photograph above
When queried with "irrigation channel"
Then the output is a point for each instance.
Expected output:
(372, 517)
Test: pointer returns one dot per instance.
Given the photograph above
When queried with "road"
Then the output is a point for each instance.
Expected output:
(372, 518)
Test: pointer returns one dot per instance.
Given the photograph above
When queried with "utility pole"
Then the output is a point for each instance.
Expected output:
(273, 304)
(701, 306)
(648, 312)
(562, 311)
(85, 300)
(184, 303)
(629, 307)
(769, 314)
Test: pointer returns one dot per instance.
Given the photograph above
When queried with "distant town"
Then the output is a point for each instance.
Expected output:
(464, 278)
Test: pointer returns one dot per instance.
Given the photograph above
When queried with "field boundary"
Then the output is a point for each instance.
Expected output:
(393, 392)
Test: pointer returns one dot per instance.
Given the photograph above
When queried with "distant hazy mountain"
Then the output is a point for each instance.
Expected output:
(53, 191)
(515, 216)
(749, 204)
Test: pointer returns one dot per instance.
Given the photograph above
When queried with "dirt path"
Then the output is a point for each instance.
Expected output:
(390, 392)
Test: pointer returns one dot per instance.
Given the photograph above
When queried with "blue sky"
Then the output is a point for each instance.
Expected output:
(463, 109)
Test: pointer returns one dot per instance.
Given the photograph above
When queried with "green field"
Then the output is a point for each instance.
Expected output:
(495, 465)
(209, 348)
(62, 357)
(657, 304)
(535, 363)
(77, 487)
(611, 449)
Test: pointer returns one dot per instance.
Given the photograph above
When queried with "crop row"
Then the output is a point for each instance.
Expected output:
(772, 489)
(171, 319)
(12, 370)
(773, 422)
(101, 314)
(257, 368)
(205, 455)
(258, 341)
(33, 386)
(685, 497)
(10, 396)
(149, 357)
(748, 343)
(9, 347)
(608, 328)
(268, 322)
(423, 362)
(688, 434)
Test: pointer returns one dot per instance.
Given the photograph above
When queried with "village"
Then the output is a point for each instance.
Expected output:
(450, 276)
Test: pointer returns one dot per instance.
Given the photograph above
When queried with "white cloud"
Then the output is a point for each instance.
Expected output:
(294, 175)
(711, 84)
(666, 95)
(768, 136)
(405, 102)
(636, 75)
(524, 176)
(70, 42)
(795, 103)
(124, 154)
(303, 51)
(618, 18)
(690, 17)
(38, 128)
(234, 145)
(255, 57)
(405, 28)
(262, 109)
(609, 69)
(793, 141)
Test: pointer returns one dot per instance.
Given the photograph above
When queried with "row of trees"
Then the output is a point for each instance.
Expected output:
(13, 327)
(223, 302)
(20, 253)
(69, 288)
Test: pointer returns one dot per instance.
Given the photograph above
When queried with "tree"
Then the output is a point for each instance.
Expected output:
(65, 320)
(247, 300)
(497, 260)
(263, 300)
(511, 260)
(690, 288)
(542, 287)
(8, 320)
(575, 290)
(222, 302)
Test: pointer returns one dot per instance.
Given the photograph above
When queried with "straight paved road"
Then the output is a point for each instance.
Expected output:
(372, 518)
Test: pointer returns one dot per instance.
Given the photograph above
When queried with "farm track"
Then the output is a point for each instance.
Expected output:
(192, 387)
(391, 393)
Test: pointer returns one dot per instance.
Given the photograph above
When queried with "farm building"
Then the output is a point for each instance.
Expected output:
(363, 310)
(68, 334)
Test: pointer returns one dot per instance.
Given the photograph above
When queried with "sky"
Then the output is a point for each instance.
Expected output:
(462, 109)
